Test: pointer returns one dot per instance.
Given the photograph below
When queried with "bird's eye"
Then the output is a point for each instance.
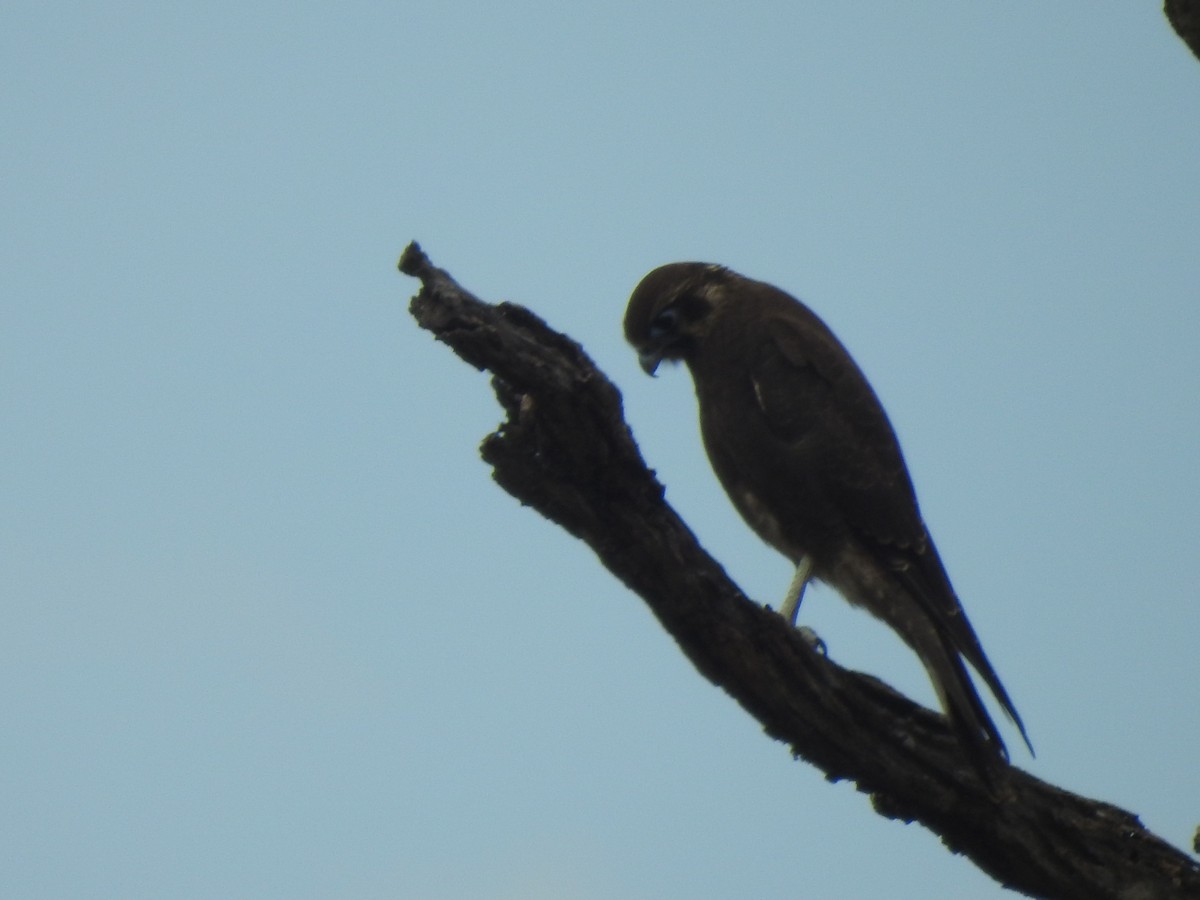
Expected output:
(665, 323)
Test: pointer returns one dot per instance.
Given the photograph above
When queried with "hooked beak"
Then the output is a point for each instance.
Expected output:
(649, 361)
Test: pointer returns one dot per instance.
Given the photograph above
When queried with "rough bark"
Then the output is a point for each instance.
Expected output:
(566, 451)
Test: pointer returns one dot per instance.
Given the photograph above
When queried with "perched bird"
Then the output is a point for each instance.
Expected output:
(806, 453)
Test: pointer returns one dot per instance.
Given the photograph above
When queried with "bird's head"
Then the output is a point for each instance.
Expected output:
(671, 311)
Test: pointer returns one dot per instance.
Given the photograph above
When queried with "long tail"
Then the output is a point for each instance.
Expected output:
(968, 645)
(914, 596)
(968, 716)
(938, 644)
(956, 640)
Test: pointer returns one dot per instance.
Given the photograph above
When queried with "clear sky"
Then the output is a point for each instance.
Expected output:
(269, 628)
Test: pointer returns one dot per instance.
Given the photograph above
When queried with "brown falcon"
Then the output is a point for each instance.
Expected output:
(805, 451)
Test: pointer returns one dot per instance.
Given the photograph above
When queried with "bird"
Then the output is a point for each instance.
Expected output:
(803, 447)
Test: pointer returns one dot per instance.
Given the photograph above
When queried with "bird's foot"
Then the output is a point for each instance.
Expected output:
(790, 607)
(813, 640)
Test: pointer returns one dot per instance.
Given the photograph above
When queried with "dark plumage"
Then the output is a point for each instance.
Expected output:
(805, 451)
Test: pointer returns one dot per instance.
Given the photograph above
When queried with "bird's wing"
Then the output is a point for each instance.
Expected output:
(815, 398)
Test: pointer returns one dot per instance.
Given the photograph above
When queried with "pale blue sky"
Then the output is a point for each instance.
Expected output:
(270, 630)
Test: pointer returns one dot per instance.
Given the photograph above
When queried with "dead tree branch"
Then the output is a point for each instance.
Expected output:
(565, 450)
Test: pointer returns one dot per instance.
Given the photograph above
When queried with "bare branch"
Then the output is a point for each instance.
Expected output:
(566, 450)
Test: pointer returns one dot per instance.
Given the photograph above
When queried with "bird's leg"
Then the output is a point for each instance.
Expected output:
(795, 592)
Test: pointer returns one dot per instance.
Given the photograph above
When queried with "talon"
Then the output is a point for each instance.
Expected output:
(813, 640)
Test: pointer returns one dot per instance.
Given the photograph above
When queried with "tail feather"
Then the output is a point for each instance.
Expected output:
(968, 716)
(914, 596)
(974, 654)
(927, 582)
